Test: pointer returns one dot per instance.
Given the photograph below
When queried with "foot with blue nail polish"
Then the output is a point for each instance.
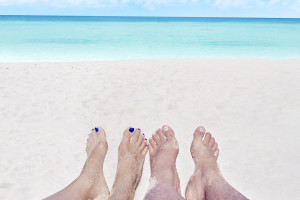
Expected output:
(132, 152)
(95, 136)
(96, 149)
(163, 151)
(91, 183)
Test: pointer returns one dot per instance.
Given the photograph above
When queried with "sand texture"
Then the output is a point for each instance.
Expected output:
(251, 106)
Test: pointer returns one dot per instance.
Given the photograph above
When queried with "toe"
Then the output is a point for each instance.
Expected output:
(207, 138)
(99, 130)
(156, 138)
(211, 142)
(168, 131)
(127, 134)
(199, 132)
(217, 153)
(151, 150)
(144, 152)
(140, 139)
(153, 144)
(135, 135)
(162, 137)
(215, 147)
(143, 145)
(101, 134)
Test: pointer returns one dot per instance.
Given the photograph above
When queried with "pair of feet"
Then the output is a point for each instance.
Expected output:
(163, 150)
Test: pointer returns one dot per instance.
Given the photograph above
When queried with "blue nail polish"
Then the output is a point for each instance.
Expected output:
(97, 129)
(139, 129)
(145, 138)
(92, 129)
(131, 130)
(143, 134)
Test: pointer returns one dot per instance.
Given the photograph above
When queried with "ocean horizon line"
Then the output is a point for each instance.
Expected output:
(152, 16)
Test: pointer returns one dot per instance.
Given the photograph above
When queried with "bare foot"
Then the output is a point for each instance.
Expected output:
(163, 150)
(205, 152)
(92, 171)
(132, 152)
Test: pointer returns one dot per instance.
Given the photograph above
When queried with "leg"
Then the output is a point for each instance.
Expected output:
(207, 181)
(91, 183)
(164, 181)
(132, 152)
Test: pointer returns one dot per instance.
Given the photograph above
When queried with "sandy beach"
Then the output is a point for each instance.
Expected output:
(251, 106)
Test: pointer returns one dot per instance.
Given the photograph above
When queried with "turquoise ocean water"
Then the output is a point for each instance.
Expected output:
(61, 38)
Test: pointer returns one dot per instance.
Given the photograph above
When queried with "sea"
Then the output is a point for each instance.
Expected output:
(93, 38)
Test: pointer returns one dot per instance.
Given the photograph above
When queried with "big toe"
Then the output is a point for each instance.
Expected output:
(199, 132)
(168, 132)
(101, 134)
(127, 134)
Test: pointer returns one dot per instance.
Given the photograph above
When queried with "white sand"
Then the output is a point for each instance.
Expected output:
(251, 106)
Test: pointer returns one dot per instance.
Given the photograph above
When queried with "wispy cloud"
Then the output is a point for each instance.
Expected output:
(146, 3)
(151, 4)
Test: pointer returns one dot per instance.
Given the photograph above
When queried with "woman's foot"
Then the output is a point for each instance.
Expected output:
(204, 152)
(163, 150)
(92, 172)
(132, 152)
(91, 183)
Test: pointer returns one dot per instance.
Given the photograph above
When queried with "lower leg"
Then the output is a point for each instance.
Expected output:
(132, 152)
(207, 181)
(91, 183)
(164, 182)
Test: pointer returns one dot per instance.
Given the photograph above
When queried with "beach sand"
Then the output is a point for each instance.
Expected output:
(251, 106)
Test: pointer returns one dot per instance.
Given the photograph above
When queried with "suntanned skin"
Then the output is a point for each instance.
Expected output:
(132, 152)
(91, 183)
(207, 181)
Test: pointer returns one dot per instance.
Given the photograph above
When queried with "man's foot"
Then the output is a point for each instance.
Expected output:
(92, 172)
(204, 152)
(163, 150)
(132, 152)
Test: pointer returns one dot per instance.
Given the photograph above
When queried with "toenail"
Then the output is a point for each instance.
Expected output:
(201, 129)
(139, 129)
(131, 130)
(145, 138)
(166, 128)
(97, 129)
(143, 134)
(92, 129)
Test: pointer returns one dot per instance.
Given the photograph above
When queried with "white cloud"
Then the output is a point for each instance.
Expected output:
(146, 3)
(155, 3)
(254, 3)
(239, 3)
(296, 5)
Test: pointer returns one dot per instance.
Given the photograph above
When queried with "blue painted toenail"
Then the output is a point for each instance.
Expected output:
(139, 129)
(145, 138)
(92, 129)
(143, 134)
(131, 130)
(97, 129)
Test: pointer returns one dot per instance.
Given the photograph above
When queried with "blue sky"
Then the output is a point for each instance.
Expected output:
(192, 8)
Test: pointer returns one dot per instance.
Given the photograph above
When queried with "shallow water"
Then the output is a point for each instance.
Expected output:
(55, 38)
